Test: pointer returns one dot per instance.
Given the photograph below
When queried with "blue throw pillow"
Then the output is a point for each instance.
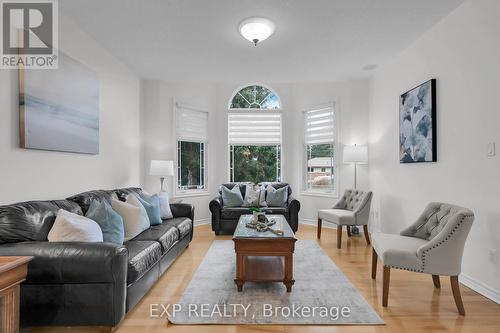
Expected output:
(152, 206)
(231, 198)
(111, 222)
(277, 197)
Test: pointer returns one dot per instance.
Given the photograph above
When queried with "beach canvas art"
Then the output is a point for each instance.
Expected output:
(417, 124)
(59, 108)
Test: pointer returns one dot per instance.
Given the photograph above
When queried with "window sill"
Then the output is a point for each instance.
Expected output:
(319, 194)
(190, 194)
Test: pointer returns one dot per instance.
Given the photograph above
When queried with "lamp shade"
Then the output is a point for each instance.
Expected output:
(161, 168)
(355, 154)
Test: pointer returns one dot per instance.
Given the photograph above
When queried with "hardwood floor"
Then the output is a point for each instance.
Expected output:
(415, 305)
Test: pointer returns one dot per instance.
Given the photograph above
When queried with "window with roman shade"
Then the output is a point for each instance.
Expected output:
(320, 139)
(191, 126)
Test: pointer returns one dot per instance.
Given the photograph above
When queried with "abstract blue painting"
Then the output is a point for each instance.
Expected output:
(417, 124)
(59, 108)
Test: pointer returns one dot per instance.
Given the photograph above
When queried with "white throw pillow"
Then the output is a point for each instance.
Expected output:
(70, 227)
(135, 218)
(165, 211)
(251, 196)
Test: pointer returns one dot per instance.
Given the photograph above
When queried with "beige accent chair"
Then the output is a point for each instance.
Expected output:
(351, 210)
(434, 245)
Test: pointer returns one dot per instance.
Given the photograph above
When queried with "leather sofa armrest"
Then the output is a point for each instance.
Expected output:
(182, 210)
(293, 206)
(215, 207)
(72, 262)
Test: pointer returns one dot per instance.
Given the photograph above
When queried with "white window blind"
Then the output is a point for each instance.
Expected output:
(191, 125)
(254, 129)
(319, 126)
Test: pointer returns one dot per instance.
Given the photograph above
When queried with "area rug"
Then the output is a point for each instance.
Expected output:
(321, 295)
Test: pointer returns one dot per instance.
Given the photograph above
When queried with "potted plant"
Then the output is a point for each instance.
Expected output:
(258, 214)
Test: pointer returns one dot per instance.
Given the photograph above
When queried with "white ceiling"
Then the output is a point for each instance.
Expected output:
(198, 40)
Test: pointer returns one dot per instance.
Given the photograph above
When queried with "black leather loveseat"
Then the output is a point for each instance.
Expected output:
(86, 284)
(225, 219)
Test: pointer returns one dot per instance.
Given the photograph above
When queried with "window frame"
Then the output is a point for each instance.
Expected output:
(334, 193)
(279, 110)
(178, 192)
(235, 92)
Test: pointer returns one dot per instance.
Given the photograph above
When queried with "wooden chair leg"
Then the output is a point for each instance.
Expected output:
(455, 287)
(348, 231)
(385, 286)
(367, 236)
(435, 280)
(339, 236)
(374, 264)
(319, 228)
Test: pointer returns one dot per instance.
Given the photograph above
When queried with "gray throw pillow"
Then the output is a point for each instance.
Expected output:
(231, 198)
(277, 197)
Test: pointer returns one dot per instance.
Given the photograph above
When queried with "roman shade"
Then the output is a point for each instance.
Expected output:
(254, 129)
(319, 126)
(191, 124)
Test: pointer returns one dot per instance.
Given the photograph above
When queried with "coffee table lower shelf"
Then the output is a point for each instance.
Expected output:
(259, 260)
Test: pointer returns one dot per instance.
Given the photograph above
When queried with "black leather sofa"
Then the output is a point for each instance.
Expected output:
(87, 284)
(225, 219)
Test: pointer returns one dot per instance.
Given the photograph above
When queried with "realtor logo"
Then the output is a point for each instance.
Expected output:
(29, 34)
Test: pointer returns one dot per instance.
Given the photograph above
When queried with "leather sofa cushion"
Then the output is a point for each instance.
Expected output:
(234, 213)
(32, 220)
(142, 255)
(69, 262)
(183, 225)
(166, 234)
(84, 199)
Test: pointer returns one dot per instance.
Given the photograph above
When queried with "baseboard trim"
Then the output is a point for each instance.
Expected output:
(198, 222)
(480, 288)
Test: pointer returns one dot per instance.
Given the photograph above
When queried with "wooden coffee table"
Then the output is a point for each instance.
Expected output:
(264, 256)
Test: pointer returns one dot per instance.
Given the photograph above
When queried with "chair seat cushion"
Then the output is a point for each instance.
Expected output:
(166, 234)
(142, 255)
(337, 216)
(398, 251)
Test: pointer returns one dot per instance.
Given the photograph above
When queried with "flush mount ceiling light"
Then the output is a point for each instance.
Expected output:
(256, 29)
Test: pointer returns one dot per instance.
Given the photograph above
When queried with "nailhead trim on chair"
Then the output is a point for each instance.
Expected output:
(438, 244)
(444, 240)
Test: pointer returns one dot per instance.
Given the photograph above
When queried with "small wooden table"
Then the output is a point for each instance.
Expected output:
(13, 271)
(264, 256)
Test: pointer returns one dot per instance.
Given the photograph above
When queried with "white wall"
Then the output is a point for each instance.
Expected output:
(463, 53)
(159, 143)
(30, 174)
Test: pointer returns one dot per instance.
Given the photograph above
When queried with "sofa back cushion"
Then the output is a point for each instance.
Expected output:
(32, 220)
(85, 199)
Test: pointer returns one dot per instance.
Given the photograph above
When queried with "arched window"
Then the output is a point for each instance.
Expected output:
(255, 97)
(254, 135)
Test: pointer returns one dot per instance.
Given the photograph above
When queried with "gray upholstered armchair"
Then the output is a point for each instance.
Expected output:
(434, 245)
(351, 210)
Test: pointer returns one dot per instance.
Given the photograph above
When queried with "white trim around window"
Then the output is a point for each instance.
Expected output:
(190, 126)
(321, 127)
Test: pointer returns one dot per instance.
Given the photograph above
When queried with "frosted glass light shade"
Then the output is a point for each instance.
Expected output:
(256, 29)
(161, 168)
(355, 154)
